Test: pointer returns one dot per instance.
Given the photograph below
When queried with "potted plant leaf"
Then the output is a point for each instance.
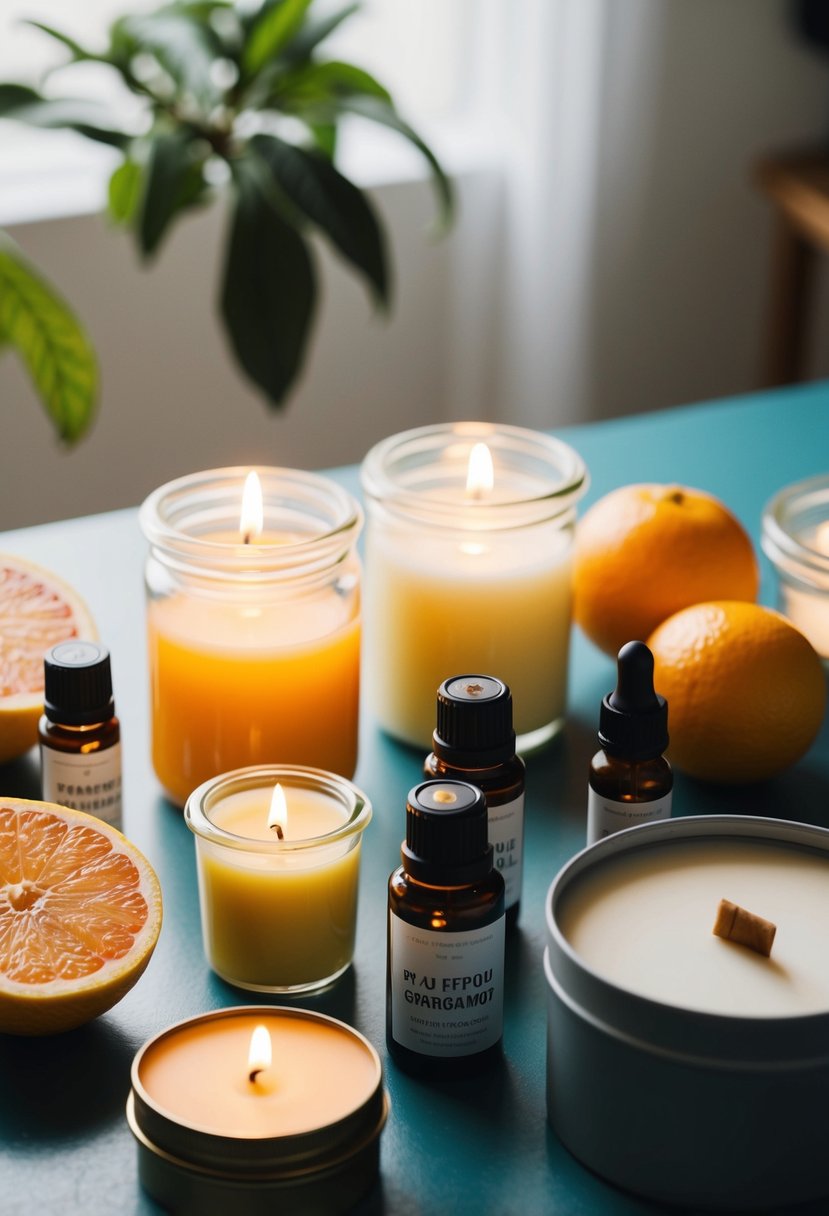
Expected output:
(242, 99)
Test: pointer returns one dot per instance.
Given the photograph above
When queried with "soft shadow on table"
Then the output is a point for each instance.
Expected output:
(21, 778)
(337, 1000)
(42, 1078)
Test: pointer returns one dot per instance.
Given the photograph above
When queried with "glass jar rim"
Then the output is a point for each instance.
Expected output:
(265, 776)
(383, 483)
(212, 499)
(785, 516)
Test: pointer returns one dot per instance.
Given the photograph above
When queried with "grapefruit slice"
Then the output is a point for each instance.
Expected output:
(80, 913)
(37, 610)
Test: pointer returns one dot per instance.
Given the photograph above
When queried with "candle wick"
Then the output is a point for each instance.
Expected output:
(246, 538)
(277, 827)
(254, 1074)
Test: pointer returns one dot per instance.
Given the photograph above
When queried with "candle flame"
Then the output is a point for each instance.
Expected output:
(480, 476)
(260, 1053)
(278, 814)
(251, 517)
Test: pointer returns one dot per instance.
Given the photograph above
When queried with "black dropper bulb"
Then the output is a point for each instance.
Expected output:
(633, 722)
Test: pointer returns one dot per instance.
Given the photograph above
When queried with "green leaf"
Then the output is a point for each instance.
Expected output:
(275, 25)
(316, 31)
(184, 46)
(172, 180)
(55, 349)
(331, 202)
(79, 54)
(124, 192)
(89, 118)
(268, 290)
(322, 82)
(380, 112)
(325, 137)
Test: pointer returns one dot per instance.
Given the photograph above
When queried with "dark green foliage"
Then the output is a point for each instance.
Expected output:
(219, 81)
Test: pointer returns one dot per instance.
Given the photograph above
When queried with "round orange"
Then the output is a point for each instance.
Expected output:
(645, 551)
(80, 913)
(37, 610)
(745, 690)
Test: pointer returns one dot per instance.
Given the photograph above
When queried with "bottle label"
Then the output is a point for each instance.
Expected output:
(90, 783)
(506, 835)
(447, 989)
(604, 816)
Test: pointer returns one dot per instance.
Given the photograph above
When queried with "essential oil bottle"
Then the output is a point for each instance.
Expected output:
(446, 932)
(80, 736)
(630, 780)
(474, 741)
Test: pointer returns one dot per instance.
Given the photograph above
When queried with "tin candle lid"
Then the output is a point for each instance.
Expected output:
(206, 1114)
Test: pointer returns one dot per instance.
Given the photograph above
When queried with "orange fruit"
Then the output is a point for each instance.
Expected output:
(37, 610)
(645, 551)
(745, 690)
(80, 913)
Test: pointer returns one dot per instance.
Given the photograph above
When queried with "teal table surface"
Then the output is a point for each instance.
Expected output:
(480, 1146)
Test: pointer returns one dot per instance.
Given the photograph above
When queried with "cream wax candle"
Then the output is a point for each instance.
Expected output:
(468, 569)
(258, 1108)
(253, 621)
(682, 1064)
(278, 857)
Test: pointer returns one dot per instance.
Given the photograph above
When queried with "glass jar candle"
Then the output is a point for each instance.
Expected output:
(468, 556)
(795, 538)
(253, 623)
(278, 863)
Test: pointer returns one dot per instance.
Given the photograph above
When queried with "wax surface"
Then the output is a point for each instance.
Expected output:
(198, 1074)
(500, 605)
(233, 686)
(644, 921)
(278, 921)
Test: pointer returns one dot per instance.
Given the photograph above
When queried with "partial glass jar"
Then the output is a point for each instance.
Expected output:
(795, 538)
(253, 639)
(468, 556)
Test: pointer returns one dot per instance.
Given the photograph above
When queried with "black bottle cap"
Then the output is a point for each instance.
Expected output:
(447, 833)
(474, 722)
(78, 683)
(633, 720)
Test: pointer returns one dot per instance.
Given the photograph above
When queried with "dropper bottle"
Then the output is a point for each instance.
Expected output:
(630, 780)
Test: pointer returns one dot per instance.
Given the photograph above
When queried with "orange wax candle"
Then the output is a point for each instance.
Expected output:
(272, 1109)
(278, 905)
(253, 627)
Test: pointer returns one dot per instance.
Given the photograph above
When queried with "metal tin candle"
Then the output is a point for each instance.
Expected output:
(253, 616)
(255, 1110)
(468, 569)
(278, 861)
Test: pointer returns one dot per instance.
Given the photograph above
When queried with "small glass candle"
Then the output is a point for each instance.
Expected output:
(469, 549)
(796, 540)
(278, 862)
(257, 1109)
(253, 623)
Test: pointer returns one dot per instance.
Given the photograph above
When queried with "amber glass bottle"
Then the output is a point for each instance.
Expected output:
(80, 736)
(630, 780)
(445, 968)
(474, 741)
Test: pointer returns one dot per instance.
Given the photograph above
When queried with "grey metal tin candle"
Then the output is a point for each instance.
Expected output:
(680, 1066)
(212, 1132)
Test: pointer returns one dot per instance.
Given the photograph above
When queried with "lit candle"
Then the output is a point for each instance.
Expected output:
(278, 857)
(468, 569)
(253, 624)
(251, 1103)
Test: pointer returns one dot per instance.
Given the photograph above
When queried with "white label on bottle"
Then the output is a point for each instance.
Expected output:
(447, 989)
(604, 816)
(506, 835)
(90, 783)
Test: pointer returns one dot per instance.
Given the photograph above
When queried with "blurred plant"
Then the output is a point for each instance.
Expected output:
(242, 96)
(41, 327)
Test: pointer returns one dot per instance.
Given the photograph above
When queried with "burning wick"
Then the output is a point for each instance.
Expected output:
(278, 814)
(736, 924)
(251, 517)
(260, 1053)
(480, 475)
